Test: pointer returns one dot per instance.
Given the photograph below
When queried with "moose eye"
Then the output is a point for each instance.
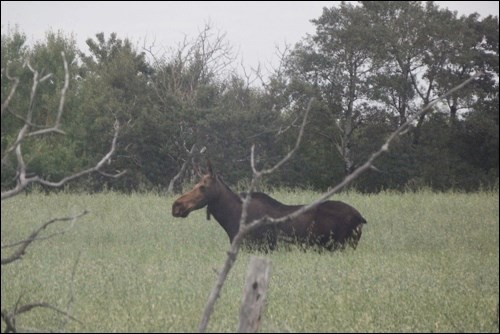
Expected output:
(203, 188)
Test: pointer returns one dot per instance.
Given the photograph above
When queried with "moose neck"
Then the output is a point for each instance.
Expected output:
(226, 209)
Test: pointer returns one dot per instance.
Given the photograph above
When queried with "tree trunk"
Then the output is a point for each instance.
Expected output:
(255, 295)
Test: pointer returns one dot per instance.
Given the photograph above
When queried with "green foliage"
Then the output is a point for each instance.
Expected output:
(113, 88)
(426, 262)
(372, 64)
(369, 67)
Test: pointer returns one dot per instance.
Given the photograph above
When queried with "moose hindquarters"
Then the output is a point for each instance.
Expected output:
(341, 222)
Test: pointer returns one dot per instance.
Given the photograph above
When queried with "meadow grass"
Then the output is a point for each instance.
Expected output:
(426, 262)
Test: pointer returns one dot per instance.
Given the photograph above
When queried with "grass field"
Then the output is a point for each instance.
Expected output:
(426, 262)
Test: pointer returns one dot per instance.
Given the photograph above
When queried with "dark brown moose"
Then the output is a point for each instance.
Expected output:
(330, 225)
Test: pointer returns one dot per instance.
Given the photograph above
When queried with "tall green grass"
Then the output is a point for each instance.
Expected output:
(426, 262)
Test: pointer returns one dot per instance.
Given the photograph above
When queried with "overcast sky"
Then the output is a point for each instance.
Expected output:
(254, 29)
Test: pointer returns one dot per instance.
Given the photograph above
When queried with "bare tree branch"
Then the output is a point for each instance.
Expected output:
(9, 317)
(182, 170)
(25, 132)
(57, 123)
(259, 174)
(17, 255)
(24, 181)
(235, 245)
(13, 89)
(246, 228)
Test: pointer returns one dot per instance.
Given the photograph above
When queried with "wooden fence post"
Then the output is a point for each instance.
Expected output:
(254, 295)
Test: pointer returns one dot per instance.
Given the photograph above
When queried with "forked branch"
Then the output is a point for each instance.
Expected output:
(26, 131)
(9, 317)
(17, 255)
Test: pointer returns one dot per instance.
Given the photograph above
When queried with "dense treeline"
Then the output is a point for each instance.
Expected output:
(369, 66)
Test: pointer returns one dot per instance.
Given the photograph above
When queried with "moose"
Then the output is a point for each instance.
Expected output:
(330, 225)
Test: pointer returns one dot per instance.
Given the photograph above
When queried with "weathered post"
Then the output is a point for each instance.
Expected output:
(254, 295)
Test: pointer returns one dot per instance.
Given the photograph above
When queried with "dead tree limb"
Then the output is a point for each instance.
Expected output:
(9, 317)
(247, 227)
(177, 176)
(12, 90)
(25, 132)
(24, 181)
(19, 252)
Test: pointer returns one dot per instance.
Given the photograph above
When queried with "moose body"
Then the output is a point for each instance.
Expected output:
(331, 224)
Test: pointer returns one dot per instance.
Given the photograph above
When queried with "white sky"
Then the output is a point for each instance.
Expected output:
(253, 28)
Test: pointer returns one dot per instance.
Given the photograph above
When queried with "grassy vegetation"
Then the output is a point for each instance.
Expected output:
(426, 262)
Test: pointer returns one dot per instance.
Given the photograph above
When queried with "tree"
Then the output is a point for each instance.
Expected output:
(336, 65)
(400, 41)
(114, 86)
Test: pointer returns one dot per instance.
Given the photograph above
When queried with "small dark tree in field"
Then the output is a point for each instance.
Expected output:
(12, 154)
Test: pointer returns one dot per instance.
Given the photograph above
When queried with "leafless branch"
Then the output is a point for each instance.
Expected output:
(282, 53)
(13, 89)
(25, 130)
(246, 228)
(259, 174)
(180, 71)
(9, 317)
(235, 245)
(23, 245)
(24, 181)
(182, 170)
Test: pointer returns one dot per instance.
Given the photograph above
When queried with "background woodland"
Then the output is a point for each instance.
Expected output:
(369, 66)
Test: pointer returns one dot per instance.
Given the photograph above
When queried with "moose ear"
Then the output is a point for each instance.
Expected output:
(210, 170)
(197, 170)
